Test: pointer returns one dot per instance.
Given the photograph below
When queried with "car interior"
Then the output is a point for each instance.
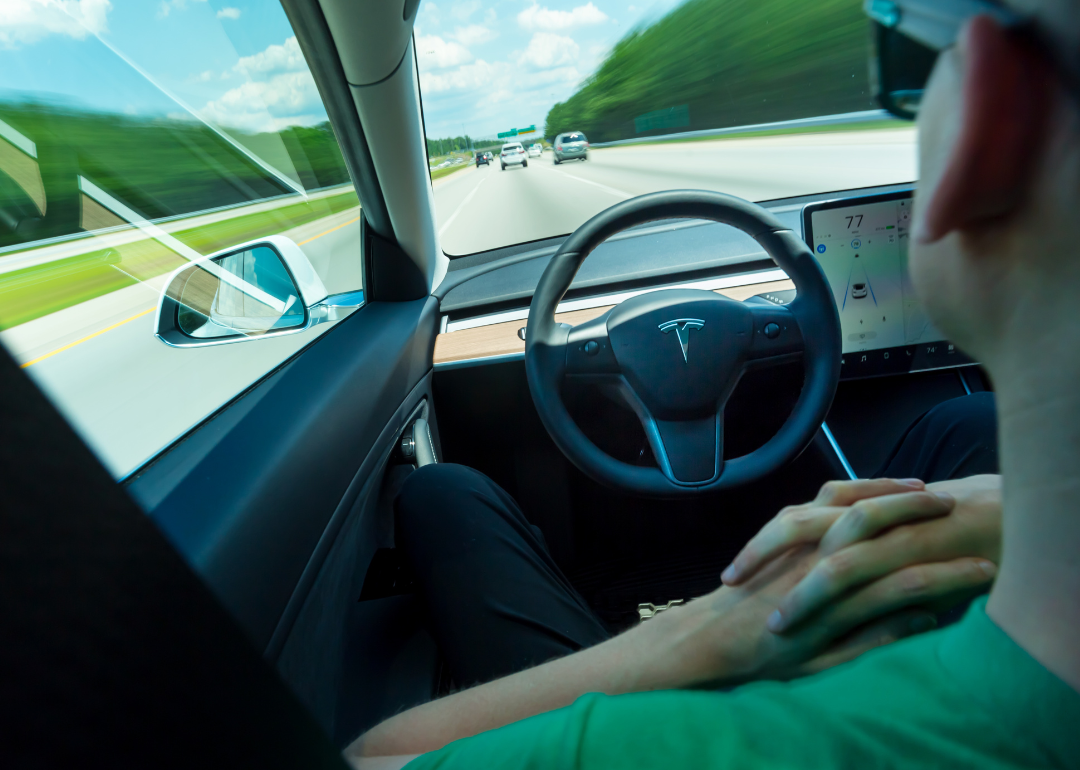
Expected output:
(645, 475)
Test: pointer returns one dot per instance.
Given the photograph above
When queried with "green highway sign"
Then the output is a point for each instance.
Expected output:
(517, 132)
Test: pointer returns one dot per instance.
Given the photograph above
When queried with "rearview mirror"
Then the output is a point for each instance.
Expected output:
(899, 69)
(258, 289)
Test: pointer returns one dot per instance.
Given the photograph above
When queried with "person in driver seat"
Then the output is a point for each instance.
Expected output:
(994, 260)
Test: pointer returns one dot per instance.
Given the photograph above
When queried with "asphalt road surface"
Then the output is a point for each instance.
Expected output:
(482, 208)
(129, 395)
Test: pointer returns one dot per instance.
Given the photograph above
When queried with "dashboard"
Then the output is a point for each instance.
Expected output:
(859, 237)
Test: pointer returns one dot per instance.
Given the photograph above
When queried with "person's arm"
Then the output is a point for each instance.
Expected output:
(862, 540)
(717, 639)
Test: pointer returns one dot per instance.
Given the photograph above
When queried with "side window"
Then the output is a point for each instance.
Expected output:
(171, 154)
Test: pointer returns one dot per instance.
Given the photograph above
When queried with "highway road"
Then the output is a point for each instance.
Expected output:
(484, 208)
(129, 395)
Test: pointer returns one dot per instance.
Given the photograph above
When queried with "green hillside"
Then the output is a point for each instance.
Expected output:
(158, 167)
(720, 63)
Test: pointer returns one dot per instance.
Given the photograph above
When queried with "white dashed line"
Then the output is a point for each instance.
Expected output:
(611, 190)
(461, 205)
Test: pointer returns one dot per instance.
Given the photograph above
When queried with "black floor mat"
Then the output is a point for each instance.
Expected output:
(615, 588)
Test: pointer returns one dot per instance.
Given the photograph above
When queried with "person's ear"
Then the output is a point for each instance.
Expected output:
(1007, 93)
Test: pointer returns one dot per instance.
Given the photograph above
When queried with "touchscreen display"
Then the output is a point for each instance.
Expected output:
(862, 247)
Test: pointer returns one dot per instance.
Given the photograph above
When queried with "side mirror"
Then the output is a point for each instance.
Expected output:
(258, 289)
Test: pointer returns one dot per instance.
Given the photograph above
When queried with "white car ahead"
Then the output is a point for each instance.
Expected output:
(513, 154)
(535, 150)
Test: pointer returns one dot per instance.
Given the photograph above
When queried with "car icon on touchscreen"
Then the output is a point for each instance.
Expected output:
(858, 290)
(821, 248)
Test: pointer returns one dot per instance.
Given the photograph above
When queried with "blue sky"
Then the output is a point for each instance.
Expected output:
(486, 65)
(233, 63)
(491, 65)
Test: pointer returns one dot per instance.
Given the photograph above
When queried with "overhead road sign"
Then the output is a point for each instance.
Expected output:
(517, 132)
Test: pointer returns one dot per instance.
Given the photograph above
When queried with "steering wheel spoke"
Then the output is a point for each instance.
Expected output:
(588, 349)
(690, 451)
(777, 337)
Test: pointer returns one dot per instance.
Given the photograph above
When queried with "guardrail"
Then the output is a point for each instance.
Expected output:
(285, 198)
(865, 116)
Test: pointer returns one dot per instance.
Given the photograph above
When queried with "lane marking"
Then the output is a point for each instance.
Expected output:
(461, 205)
(150, 310)
(88, 337)
(611, 190)
(332, 229)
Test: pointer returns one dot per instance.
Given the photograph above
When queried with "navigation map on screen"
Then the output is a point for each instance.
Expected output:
(863, 251)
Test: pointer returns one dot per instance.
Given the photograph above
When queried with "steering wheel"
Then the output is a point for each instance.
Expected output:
(675, 355)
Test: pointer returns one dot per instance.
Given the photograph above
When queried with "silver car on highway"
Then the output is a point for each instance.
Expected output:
(572, 146)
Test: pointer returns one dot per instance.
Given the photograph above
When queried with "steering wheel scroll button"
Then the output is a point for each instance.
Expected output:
(772, 330)
(591, 348)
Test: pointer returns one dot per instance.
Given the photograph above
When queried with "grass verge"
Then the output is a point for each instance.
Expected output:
(439, 173)
(37, 291)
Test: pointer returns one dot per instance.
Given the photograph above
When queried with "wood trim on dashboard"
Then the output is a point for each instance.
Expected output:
(499, 339)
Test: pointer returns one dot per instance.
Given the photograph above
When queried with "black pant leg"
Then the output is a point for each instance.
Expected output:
(497, 601)
(956, 438)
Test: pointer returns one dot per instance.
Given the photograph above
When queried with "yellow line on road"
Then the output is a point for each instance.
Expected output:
(88, 337)
(140, 315)
(332, 229)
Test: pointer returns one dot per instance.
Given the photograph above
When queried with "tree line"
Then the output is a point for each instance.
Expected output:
(159, 167)
(720, 63)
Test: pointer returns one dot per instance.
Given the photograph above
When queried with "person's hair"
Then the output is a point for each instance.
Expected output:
(1060, 18)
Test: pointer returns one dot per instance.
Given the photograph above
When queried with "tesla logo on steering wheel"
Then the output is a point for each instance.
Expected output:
(682, 327)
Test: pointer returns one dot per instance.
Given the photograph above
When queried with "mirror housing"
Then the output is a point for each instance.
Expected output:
(261, 288)
(899, 69)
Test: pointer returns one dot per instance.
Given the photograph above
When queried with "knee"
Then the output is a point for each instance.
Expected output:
(972, 417)
(434, 499)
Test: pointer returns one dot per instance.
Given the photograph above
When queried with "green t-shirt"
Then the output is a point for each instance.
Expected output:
(965, 696)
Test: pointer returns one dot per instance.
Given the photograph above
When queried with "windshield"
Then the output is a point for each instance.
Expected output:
(762, 99)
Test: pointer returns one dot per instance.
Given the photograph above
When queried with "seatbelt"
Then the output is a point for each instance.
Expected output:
(112, 651)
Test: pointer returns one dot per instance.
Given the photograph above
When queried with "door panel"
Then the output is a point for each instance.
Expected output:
(247, 499)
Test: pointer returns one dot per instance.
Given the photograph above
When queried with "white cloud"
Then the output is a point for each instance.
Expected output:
(547, 50)
(435, 53)
(229, 13)
(165, 7)
(26, 21)
(474, 34)
(490, 16)
(463, 9)
(202, 77)
(278, 91)
(429, 15)
(465, 78)
(286, 99)
(539, 17)
(496, 81)
(276, 58)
